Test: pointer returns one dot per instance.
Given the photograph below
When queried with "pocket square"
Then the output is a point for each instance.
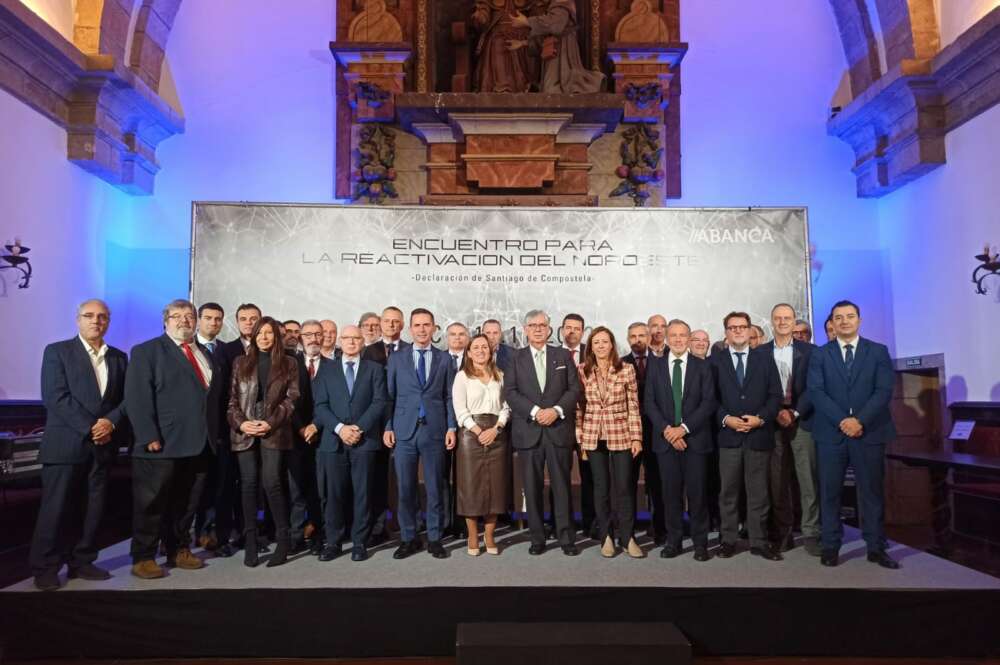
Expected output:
(560, 367)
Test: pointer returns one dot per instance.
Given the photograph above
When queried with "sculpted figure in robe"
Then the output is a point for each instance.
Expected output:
(375, 24)
(555, 30)
(498, 68)
(642, 25)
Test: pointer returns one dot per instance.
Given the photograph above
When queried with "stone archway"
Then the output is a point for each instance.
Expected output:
(101, 27)
(149, 42)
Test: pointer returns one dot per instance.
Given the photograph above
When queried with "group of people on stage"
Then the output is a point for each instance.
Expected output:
(286, 419)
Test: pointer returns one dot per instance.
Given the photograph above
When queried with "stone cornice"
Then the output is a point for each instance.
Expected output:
(897, 125)
(113, 119)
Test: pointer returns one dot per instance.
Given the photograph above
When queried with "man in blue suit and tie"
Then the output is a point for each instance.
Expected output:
(83, 386)
(349, 397)
(420, 428)
(850, 384)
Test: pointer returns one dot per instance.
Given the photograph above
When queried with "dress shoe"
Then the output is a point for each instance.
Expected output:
(726, 550)
(669, 551)
(88, 571)
(634, 550)
(608, 549)
(315, 546)
(225, 550)
(207, 541)
(186, 560)
(280, 556)
(701, 553)
(47, 581)
(785, 545)
(536, 549)
(147, 570)
(376, 539)
(437, 550)
(329, 552)
(829, 558)
(882, 558)
(570, 550)
(406, 548)
(359, 554)
(251, 552)
(811, 546)
(766, 552)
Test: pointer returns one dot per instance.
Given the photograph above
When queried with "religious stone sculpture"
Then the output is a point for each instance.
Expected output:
(642, 25)
(375, 24)
(562, 69)
(499, 68)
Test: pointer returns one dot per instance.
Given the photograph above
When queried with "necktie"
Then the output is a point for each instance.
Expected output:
(312, 368)
(422, 379)
(350, 377)
(849, 357)
(210, 346)
(388, 350)
(640, 368)
(194, 364)
(741, 369)
(540, 368)
(675, 385)
(454, 360)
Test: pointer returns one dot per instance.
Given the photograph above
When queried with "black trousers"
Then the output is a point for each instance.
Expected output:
(738, 468)
(64, 485)
(166, 493)
(685, 472)
(559, 461)
(264, 468)
(218, 501)
(613, 490)
(302, 489)
(654, 489)
(345, 479)
(379, 492)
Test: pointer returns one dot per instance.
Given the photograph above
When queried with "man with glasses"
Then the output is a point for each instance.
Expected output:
(542, 388)
(172, 394)
(83, 384)
(370, 324)
(749, 394)
(802, 331)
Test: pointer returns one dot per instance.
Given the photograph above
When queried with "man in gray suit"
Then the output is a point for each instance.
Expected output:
(541, 386)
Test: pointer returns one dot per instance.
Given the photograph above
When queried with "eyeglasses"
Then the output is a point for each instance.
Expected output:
(181, 317)
(311, 335)
(736, 328)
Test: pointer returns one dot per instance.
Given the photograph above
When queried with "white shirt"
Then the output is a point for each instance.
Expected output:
(471, 397)
(461, 357)
(204, 341)
(576, 354)
(98, 362)
(843, 347)
(203, 363)
(314, 362)
(744, 352)
(783, 359)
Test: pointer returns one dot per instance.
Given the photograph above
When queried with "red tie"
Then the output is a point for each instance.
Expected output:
(312, 368)
(194, 364)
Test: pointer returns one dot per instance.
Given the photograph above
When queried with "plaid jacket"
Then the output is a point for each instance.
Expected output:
(616, 418)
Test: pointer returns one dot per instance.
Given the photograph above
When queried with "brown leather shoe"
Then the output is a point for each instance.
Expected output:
(207, 541)
(186, 560)
(147, 570)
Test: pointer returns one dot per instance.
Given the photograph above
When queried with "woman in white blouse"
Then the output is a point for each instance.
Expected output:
(482, 460)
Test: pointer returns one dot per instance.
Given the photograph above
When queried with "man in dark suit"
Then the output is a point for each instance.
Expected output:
(420, 429)
(639, 357)
(502, 353)
(172, 395)
(748, 392)
(542, 387)
(305, 517)
(793, 444)
(350, 408)
(571, 333)
(391, 325)
(83, 384)
(680, 405)
(850, 384)
(247, 316)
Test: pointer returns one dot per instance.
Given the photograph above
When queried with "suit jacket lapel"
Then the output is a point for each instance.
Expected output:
(859, 357)
(686, 388)
(838, 360)
(82, 358)
(174, 350)
(727, 365)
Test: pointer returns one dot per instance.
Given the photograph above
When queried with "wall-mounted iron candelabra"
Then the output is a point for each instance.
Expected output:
(15, 259)
(989, 265)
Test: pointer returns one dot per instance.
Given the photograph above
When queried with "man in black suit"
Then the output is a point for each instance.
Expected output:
(502, 353)
(793, 444)
(350, 397)
(680, 405)
(247, 316)
(542, 387)
(571, 333)
(748, 392)
(172, 395)
(83, 384)
(639, 357)
(850, 384)
(382, 482)
(306, 512)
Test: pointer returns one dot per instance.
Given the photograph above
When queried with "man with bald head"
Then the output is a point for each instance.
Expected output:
(350, 398)
(83, 383)
(657, 325)
(328, 346)
(699, 344)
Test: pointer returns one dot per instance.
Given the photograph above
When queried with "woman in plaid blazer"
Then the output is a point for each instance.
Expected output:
(609, 432)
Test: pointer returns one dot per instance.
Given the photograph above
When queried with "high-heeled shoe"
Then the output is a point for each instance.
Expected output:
(634, 550)
(608, 548)
(473, 552)
(494, 550)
